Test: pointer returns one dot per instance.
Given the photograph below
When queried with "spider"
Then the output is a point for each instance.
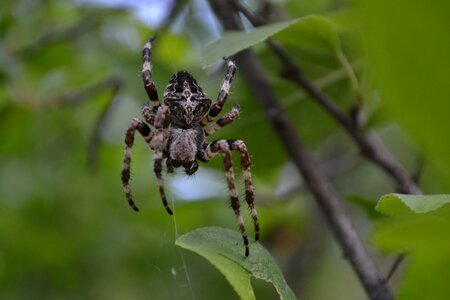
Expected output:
(176, 129)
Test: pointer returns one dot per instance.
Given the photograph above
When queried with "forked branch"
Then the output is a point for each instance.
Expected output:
(370, 147)
(327, 199)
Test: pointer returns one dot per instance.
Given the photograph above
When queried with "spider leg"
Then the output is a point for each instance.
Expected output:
(240, 146)
(144, 130)
(223, 147)
(149, 84)
(169, 165)
(149, 115)
(162, 121)
(217, 106)
(225, 120)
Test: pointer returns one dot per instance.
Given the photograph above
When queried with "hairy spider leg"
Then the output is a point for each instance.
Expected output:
(239, 145)
(225, 120)
(149, 84)
(217, 106)
(149, 115)
(162, 122)
(169, 165)
(146, 133)
(223, 147)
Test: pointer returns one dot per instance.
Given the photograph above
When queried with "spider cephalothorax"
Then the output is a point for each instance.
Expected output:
(186, 99)
(176, 131)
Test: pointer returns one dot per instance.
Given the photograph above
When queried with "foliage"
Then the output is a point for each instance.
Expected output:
(218, 245)
(409, 50)
(65, 229)
(420, 226)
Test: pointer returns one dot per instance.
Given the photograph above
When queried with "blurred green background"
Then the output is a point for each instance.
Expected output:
(70, 84)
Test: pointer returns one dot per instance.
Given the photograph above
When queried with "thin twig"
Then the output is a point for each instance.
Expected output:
(398, 260)
(330, 204)
(174, 12)
(101, 123)
(78, 97)
(62, 34)
(112, 84)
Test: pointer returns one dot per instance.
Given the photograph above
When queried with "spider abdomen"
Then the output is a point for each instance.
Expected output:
(184, 143)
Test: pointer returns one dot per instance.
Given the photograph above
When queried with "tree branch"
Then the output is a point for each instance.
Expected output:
(320, 187)
(368, 145)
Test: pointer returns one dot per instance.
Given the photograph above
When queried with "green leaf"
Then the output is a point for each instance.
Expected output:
(235, 41)
(224, 249)
(311, 32)
(417, 203)
(418, 225)
(314, 32)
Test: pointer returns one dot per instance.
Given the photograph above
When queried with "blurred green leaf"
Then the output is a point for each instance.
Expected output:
(223, 248)
(408, 46)
(311, 32)
(418, 225)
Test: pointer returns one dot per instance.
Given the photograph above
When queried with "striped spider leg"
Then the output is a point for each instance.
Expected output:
(151, 137)
(224, 148)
